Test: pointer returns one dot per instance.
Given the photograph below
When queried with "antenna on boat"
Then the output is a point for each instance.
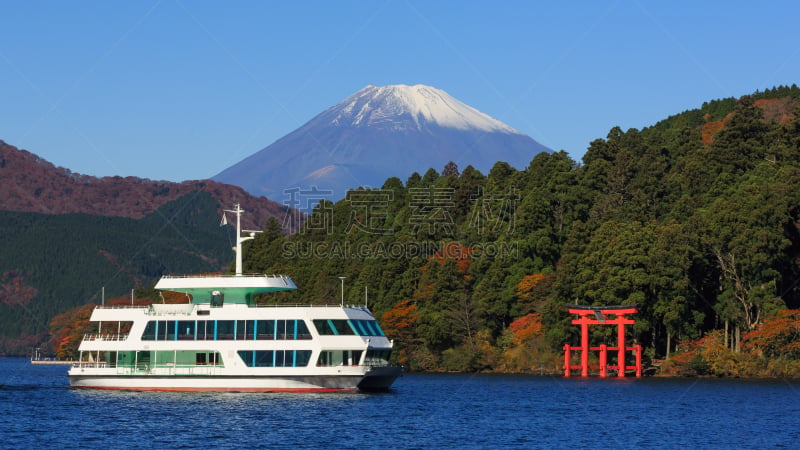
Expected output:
(342, 278)
(366, 300)
(239, 239)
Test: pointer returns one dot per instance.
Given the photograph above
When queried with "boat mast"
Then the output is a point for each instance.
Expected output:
(239, 239)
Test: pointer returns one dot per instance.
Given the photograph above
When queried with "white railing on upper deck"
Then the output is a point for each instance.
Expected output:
(149, 311)
(104, 337)
(170, 309)
(311, 305)
(121, 307)
(225, 275)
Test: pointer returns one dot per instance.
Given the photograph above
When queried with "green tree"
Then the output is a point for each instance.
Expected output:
(748, 241)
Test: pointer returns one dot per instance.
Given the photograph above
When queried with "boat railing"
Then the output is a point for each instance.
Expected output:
(312, 305)
(151, 369)
(376, 363)
(225, 275)
(121, 307)
(167, 369)
(104, 337)
(174, 309)
(91, 364)
(149, 311)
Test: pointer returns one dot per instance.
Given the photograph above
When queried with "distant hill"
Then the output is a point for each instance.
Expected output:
(777, 104)
(377, 133)
(29, 183)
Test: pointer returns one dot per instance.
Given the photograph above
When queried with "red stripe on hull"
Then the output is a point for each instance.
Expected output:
(215, 389)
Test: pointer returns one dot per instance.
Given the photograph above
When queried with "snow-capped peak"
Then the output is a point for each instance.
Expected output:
(374, 105)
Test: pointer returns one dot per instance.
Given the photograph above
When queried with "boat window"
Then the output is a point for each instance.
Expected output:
(278, 329)
(149, 331)
(301, 358)
(275, 358)
(372, 327)
(244, 330)
(171, 331)
(280, 358)
(186, 330)
(324, 327)
(333, 327)
(283, 330)
(265, 329)
(356, 324)
(363, 327)
(339, 358)
(251, 329)
(343, 327)
(377, 357)
(159, 330)
(225, 330)
(301, 330)
(291, 329)
(204, 331)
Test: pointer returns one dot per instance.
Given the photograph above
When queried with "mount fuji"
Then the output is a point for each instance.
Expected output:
(377, 133)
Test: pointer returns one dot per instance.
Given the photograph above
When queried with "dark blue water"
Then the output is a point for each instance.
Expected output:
(39, 410)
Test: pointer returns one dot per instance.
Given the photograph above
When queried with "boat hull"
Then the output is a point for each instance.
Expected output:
(377, 379)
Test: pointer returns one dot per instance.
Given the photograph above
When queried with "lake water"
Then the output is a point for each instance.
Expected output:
(39, 410)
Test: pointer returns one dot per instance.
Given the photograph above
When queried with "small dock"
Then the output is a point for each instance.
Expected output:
(51, 362)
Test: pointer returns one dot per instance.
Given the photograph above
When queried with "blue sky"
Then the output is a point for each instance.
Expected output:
(180, 90)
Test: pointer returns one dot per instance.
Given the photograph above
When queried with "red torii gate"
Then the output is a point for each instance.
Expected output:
(599, 318)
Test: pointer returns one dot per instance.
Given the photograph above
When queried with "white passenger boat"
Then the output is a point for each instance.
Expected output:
(222, 341)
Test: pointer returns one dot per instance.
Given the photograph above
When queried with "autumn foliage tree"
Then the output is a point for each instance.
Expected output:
(776, 338)
(67, 330)
(400, 323)
(772, 349)
(524, 347)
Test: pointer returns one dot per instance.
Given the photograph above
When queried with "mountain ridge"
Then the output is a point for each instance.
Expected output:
(29, 183)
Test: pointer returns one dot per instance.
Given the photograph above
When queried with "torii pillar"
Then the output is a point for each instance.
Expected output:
(598, 317)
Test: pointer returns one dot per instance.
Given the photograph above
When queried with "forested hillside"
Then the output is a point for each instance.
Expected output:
(51, 263)
(694, 219)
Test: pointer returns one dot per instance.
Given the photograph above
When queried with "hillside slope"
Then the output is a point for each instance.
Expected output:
(29, 183)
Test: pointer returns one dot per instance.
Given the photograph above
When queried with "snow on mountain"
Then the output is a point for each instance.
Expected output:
(376, 105)
(377, 133)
